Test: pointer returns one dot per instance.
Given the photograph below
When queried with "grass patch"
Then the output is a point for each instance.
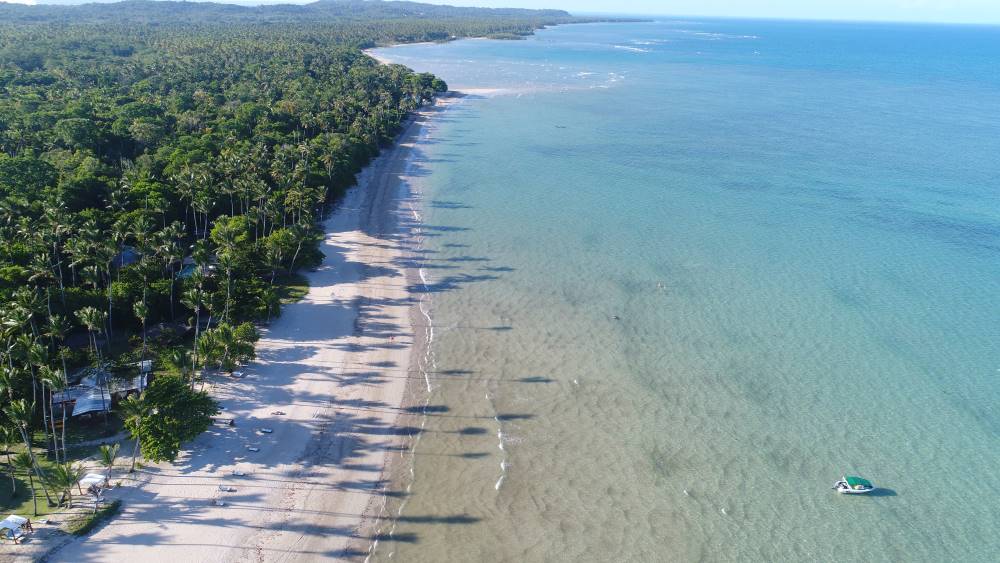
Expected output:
(15, 498)
(78, 431)
(86, 522)
(291, 288)
(20, 502)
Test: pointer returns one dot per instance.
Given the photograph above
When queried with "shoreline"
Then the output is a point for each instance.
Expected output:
(452, 92)
(331, 383)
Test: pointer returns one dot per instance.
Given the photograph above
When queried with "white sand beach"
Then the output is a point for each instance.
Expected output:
(329, 384)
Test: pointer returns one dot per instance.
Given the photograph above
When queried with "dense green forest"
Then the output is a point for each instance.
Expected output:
(163, 168)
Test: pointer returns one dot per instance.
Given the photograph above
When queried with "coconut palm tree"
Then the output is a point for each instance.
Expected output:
(56, 329)
(133, 410)
(38, 360)
(64, 477)
(108, 455)
(209, 347)
(169, 250)
(194, 299)
(8, 436)
(22, 462)
(142, 313)
(93, 319)
(19, 412)
(54, 380)
(180, 359)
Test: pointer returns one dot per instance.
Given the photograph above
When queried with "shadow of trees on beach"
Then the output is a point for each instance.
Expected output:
(341, 431)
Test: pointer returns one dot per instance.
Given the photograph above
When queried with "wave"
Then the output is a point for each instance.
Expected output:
(633, 49)
(711, 36)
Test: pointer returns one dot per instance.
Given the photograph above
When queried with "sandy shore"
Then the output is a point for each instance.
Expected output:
(329, 382)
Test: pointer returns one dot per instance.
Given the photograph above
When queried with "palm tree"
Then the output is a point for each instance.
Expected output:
(7, 437)
(56, 329)
(170, 251)
(19, 412)
(52, 379)
(194, 299)
(22, 462)
(133, 410)
(105, 253)
(227, 259)
(108, 455)
(31, 305)
(38, 359)
(180, 359)
(231, 346)
(142, 312)
(93, 319)
(209, 347)
(63, 352)
(64, 477)
(55, 224)
(187, 185)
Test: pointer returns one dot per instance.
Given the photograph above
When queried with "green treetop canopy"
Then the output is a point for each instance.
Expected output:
(855, 481)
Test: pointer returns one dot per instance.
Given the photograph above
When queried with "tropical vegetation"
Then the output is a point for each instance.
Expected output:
(164, 168)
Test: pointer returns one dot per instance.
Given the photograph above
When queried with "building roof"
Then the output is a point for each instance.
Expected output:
(92, 400)
(127, 256)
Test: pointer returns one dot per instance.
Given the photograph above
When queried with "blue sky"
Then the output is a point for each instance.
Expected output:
(965, 11)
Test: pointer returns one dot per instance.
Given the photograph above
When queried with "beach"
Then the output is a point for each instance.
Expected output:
(319, 407)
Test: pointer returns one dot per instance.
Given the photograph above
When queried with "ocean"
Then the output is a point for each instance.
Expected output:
(681, 276)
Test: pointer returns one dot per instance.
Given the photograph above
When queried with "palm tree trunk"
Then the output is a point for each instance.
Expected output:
(110, 322)
(45, 420)
(173, 282)
(10, 467)
(64, 431)
(194, 352)
(229, 285)
(34, 498)
(34, 463)
(52, 422)
(135, 454)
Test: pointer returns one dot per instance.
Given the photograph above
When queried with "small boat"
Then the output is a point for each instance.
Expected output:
(265, 430)
(852, 485)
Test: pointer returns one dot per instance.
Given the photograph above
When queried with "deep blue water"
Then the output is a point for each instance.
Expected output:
(688, 273)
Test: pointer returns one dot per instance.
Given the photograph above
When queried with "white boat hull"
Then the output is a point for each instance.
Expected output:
(843, 488)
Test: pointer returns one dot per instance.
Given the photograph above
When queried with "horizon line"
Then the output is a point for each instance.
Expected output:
(261, 3)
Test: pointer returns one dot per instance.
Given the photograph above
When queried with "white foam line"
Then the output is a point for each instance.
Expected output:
(503, 461)
(428, 366)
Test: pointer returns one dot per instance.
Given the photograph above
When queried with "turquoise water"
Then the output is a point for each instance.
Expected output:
(686, 274)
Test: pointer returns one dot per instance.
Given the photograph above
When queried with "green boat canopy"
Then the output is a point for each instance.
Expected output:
(853, 481)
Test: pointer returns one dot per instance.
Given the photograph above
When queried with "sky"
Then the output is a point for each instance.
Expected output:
(951, 11)
(964, 11)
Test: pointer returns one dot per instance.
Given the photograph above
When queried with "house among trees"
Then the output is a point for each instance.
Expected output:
(97, 389)
(127, 256)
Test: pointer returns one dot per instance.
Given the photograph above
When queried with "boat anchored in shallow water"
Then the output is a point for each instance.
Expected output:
(851, 485)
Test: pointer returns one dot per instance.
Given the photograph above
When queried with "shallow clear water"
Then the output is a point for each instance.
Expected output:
(687, 274)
